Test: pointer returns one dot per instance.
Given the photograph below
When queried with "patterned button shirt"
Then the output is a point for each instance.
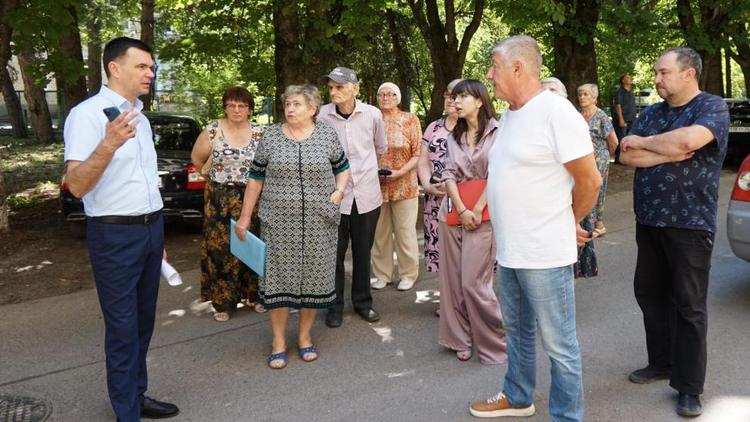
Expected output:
(683, 194)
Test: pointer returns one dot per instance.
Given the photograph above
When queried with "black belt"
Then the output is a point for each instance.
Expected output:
(128, 219)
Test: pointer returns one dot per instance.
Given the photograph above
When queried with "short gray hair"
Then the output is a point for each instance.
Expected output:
(558, 84)
(309, 92)
(453, 84)
(687, 58)
(591, 89)
(521, 47)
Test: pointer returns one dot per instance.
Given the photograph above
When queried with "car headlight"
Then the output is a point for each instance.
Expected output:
(743, 182)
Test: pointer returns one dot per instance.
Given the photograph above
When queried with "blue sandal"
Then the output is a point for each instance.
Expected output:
(311, 349)
(282, 356)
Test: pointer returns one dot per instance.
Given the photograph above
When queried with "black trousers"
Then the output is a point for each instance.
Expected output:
(360, 228)
(671, 286)
(621, 132)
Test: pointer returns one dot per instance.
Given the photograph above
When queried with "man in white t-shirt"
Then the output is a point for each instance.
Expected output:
(542, 181)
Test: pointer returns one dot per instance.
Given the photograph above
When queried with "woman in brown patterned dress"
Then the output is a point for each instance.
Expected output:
(301, 168)
(232, 142)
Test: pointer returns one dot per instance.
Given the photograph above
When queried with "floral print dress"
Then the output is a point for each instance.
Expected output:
(225, 280)
(599, 128)
(435, 138)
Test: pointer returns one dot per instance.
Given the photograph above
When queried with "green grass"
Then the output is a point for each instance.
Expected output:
(26, 165)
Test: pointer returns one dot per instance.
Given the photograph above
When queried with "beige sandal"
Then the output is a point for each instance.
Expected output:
(259, 308)
(221, 316)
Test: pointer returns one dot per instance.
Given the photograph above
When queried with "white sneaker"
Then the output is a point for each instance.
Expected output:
(378, 284)
(405, 284)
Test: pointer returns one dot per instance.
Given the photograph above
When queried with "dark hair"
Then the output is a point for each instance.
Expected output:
(622, 78)
(687, 58)
(118, 47)
(486, 113)
(240, 94)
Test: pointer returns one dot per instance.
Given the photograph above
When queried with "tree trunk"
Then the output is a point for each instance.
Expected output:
(742, 57)
(707, 33)
(74, 89)
(4, 226)
(446, 53)
(41, 122)
(403, 67)
(147, 36)
(575, 63)
(94, 47)
(12, 104)
(728, 72)
(712, 79)
(286, 41)
(10, 96)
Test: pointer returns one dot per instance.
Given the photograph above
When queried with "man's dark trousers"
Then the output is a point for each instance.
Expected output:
(126, 261)
(671, 286)
(361, 229)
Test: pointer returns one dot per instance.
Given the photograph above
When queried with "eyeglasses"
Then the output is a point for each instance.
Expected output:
(236, 106)
(387, 95)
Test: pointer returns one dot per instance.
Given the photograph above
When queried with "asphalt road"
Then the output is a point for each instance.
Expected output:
(392, 370)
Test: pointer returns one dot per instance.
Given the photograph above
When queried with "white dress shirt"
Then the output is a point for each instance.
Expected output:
(130, 183)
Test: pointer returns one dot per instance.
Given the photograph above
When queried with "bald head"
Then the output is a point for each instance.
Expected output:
(521, 48)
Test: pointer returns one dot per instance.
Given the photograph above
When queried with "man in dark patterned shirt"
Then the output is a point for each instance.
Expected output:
(678, 147)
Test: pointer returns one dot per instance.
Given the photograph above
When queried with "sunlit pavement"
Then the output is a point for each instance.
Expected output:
(392, 370)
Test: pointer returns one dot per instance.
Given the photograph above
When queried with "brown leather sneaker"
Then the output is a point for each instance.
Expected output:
(498, 406)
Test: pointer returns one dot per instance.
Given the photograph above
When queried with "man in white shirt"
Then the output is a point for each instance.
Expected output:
(542, 181)
(112, 166)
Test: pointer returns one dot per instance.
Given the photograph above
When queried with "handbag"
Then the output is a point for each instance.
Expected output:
(469, 191)
(210, 161)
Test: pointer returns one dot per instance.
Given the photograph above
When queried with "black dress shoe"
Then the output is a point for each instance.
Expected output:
(648, 375)
(333, 319)
(154, 409)
(368, 315)
(689, 405)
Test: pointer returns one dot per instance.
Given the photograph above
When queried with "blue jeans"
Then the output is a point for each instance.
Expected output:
(546, 297)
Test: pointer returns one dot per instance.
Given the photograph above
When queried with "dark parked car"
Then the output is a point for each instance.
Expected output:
(180, 183)
(739, 130)
(738, 214)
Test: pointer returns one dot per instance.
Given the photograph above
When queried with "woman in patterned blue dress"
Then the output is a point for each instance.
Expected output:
(301, 168)
(605, 142)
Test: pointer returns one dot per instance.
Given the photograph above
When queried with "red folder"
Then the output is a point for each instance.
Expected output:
(469, 192)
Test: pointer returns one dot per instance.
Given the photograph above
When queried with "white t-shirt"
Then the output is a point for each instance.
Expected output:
(529, 191)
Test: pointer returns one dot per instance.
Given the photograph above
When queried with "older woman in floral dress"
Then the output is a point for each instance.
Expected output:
(430, 169)
(230, 142)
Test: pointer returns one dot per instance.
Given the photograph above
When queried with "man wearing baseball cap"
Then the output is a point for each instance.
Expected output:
(362, 134)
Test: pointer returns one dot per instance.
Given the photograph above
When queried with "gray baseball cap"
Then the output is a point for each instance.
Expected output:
(340, 75)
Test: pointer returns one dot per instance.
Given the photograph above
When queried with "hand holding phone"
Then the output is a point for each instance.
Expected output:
(384, 172)
(121, 126)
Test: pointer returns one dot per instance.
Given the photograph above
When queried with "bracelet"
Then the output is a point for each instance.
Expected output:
(339, 191)
(465, 209)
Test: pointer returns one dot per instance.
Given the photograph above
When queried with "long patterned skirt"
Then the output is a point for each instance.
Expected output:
(225, 280)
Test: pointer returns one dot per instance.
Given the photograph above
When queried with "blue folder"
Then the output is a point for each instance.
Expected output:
(251, 251)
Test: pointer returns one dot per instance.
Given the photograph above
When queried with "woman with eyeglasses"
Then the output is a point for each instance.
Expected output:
(470, 313)
(230, 144)
(430, 169)
(398, 184)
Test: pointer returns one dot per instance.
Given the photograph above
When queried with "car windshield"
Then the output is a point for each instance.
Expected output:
(173, 133)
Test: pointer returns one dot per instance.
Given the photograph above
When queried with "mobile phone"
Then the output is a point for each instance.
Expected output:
(111, 113)
(385, 172)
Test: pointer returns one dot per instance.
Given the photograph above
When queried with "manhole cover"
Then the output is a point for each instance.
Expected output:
(23, 409)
